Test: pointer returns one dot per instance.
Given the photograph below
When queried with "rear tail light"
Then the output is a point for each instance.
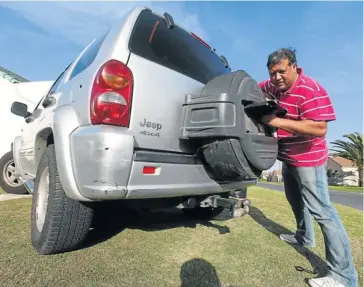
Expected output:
(111, 95)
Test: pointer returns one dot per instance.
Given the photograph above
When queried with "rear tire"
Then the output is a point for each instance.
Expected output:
(227, 162)
(58, 223)
(9, 182)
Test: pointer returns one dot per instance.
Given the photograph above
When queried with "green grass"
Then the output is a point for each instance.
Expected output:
(331, 187)
(164, 249)
(347, 188)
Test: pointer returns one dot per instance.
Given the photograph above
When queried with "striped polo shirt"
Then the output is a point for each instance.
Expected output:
(305, 100)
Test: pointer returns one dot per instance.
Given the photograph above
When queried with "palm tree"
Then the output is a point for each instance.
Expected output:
(352, 150)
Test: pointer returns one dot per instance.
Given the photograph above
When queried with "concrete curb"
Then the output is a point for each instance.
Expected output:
(4, 197)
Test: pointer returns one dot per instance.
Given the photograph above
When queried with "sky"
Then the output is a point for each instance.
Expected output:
(39, 39)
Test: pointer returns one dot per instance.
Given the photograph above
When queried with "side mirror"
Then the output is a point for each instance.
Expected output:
(19, 109)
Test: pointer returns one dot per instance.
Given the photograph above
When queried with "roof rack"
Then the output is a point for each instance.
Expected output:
(11, 77)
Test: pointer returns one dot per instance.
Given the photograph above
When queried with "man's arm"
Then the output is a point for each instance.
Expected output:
(304, 127)
(315, 110)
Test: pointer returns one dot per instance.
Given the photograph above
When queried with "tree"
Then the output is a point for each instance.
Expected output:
(352, 150)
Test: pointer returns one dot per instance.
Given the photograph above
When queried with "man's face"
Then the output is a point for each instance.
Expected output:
(282, 75)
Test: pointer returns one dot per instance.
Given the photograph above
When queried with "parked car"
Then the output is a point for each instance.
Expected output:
(10, 126)
(150, 114)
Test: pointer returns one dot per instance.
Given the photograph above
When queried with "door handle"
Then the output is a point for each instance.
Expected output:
(48, 102)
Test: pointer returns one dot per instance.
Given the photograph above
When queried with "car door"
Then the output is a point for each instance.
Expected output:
(39, 120)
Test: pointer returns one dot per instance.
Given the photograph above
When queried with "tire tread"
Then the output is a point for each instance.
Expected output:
(67, 221)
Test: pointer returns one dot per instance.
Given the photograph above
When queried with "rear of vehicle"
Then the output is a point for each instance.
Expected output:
(148, 111)
(132, 145)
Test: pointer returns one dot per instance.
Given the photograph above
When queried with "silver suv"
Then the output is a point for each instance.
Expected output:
(146, 111)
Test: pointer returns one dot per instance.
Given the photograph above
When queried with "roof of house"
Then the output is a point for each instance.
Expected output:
(343, 161)
(11, 76)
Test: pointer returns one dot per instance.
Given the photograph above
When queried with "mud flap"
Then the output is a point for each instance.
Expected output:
(234, 146)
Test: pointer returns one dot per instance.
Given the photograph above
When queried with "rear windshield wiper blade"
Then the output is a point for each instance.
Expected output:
(224, 61)
(169, 20)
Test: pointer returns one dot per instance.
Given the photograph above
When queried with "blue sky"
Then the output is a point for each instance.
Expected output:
(38, 39)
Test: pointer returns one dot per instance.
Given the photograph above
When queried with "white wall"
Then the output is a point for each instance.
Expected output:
(351, 176)
(344, 176)
(10, 125)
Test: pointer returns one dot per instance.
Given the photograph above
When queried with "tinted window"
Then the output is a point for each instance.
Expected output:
(53, 87)
(57, 82)
(174, 48)
(88, 56)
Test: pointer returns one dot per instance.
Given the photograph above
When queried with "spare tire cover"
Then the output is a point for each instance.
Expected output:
(224, 96)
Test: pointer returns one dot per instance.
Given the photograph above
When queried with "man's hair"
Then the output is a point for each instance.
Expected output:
(281, 54)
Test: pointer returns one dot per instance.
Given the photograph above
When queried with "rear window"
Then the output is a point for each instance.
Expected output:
(174, 48)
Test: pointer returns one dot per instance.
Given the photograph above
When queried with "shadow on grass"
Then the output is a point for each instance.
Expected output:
(198, 272)
(112, 219)
(316, 262)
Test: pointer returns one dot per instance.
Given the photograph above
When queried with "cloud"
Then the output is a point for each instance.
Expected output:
(80, 22)
(189, 21)
(33, 32)
(334, 58)
(29, 50)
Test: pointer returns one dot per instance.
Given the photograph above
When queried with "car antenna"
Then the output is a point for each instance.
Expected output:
(169, 20)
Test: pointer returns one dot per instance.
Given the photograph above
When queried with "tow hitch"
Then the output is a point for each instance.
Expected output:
(237, 206)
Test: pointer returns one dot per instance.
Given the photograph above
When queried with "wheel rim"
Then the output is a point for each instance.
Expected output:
(9, 174)
(42, 198)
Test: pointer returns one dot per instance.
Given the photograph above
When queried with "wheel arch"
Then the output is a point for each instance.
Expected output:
(43, 139)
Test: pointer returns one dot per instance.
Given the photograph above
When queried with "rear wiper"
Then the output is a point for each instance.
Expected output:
(169, 20)
(224, 61)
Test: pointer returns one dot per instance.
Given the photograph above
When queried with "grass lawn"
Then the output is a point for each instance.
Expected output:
(331, 187)
(347, 188)
(165, 249)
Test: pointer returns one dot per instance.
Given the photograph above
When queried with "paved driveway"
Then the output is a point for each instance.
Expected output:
(351, 199)
(12, 196)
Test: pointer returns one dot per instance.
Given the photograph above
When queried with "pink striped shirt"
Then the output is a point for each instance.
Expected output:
(306, 99)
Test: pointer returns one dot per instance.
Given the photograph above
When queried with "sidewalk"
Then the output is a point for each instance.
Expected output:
(4, 197)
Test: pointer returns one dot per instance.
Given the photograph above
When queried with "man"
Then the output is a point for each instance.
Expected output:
(304, 153)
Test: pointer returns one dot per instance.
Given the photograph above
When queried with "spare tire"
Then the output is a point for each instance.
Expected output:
(234, 147)
(226, 161)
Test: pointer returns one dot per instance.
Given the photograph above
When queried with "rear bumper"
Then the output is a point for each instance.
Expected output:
(174, 180)
(106, 167)
(101, 161)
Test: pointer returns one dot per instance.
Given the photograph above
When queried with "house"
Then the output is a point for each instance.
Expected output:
(275, 176)
(16, 88)
(11, 76)
(341, 171)
(265, 174)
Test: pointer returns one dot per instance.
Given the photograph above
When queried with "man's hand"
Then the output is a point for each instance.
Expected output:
(303, 127)
(270, 120)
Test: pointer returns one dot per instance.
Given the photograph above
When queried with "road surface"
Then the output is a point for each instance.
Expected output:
(351, 199)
